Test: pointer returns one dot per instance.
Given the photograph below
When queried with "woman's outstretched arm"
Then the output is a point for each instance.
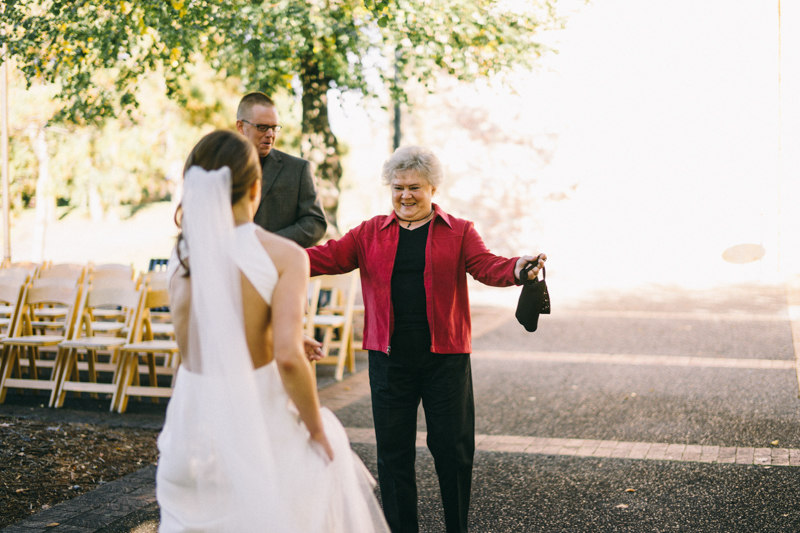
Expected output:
(288, 306)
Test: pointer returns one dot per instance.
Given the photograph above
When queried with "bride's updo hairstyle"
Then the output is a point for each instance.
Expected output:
(223, 148)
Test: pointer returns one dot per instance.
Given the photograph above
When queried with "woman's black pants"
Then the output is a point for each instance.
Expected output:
(444, 385)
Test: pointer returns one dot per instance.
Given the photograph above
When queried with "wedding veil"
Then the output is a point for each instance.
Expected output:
(247, 475)
(229, 401)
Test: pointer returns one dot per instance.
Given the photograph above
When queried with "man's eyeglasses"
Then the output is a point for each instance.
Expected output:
(263, 128)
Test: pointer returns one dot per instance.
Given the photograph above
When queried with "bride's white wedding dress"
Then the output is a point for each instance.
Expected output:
(234, 455)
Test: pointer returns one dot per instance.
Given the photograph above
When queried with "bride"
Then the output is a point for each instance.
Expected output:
(245, 445)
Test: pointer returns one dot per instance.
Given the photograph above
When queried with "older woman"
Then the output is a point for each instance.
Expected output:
(414, 264)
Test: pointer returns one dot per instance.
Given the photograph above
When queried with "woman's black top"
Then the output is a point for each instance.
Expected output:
(408, 290)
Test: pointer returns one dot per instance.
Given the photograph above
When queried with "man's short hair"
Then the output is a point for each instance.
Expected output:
(252, 99)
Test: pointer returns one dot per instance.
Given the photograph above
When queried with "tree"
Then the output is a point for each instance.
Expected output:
(316, 45)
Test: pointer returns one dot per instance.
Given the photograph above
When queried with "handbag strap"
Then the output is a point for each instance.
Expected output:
(523, 274)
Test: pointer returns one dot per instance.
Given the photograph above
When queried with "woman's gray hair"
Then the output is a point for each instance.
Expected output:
(416, 158)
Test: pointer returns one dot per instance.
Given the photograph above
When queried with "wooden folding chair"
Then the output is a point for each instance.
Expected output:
(145, 345)
(17, 272)
(337, 320)
(12, 293)
(25, 343)
(157, 281)
(97, 340)
(112, 270)
(11, 276)
(312, 295)
(64, 273)
(32, 268)
(112, 276)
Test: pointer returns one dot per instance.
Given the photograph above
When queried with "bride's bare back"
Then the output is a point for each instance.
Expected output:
(259, 320)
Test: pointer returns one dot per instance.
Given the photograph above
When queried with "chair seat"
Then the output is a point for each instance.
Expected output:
(94, 343)
(6, 309)
(162, 329)
(107, 313)
(151, 346)
(107, 327)
(329, 320)
(52, 312)
(5, 321)
(35, 340)
(45, 324)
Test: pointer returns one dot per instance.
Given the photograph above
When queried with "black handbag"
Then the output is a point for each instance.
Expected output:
(534, 300)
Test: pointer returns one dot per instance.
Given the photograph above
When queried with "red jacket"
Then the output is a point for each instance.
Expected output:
(453, 249)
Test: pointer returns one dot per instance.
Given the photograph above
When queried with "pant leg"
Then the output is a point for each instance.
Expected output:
(450, 416)
(395, 400)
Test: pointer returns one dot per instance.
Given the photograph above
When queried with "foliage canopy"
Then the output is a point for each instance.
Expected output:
(82, 44)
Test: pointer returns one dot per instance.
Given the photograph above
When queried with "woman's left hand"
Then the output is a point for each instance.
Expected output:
(524, 260)
(312, 348)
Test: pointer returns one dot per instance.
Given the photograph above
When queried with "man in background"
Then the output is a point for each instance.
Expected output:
(289, 203)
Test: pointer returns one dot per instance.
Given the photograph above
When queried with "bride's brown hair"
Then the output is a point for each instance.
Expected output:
(223, 148)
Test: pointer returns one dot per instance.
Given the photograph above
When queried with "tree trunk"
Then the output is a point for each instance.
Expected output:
(45, 201)
(318, 144)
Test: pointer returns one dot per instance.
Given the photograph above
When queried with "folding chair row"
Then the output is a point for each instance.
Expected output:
(89, 345)
(24, 343)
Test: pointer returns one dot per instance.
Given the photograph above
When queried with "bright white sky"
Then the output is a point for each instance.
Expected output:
(667, 115)
(671, 113)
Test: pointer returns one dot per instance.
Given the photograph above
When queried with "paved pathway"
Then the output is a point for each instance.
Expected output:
(666, 411)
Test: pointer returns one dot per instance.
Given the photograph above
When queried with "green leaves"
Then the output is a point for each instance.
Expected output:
(99, 50)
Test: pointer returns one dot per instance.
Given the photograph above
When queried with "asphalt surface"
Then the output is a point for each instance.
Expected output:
(523, 492)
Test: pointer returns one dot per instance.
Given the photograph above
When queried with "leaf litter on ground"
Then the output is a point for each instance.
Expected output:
(42, 465)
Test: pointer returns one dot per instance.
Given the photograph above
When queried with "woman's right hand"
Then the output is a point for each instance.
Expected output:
(322, 439)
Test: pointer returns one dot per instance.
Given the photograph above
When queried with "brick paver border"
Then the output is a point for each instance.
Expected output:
(653, 451)
(94, 510)
(634, 359)
(793, 303)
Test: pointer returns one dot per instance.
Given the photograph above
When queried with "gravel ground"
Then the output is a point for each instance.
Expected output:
(44, 463)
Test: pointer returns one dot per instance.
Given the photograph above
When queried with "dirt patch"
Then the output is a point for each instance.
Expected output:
(43, 463)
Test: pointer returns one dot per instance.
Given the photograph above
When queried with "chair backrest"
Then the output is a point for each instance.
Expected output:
(15, 274)
(28, 265)
(156, 298)
(312, 295)
(64, 271)
(158, 265)
(53, 295)
(128, 299)
(156, 279)
(343, 289)
(54, 282)
(112, 270)
(113, 283)
(153, 299)
(12, 294)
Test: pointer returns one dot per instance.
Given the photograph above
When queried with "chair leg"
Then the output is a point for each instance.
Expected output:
(60, 372)
(129, 373)
(351, 353)
(340, 359)
(120, 380)
(33, 358)
(2, 362)
(91, 358)
(16, 364)
(10, 354)
(326, 342)
(151, 367)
